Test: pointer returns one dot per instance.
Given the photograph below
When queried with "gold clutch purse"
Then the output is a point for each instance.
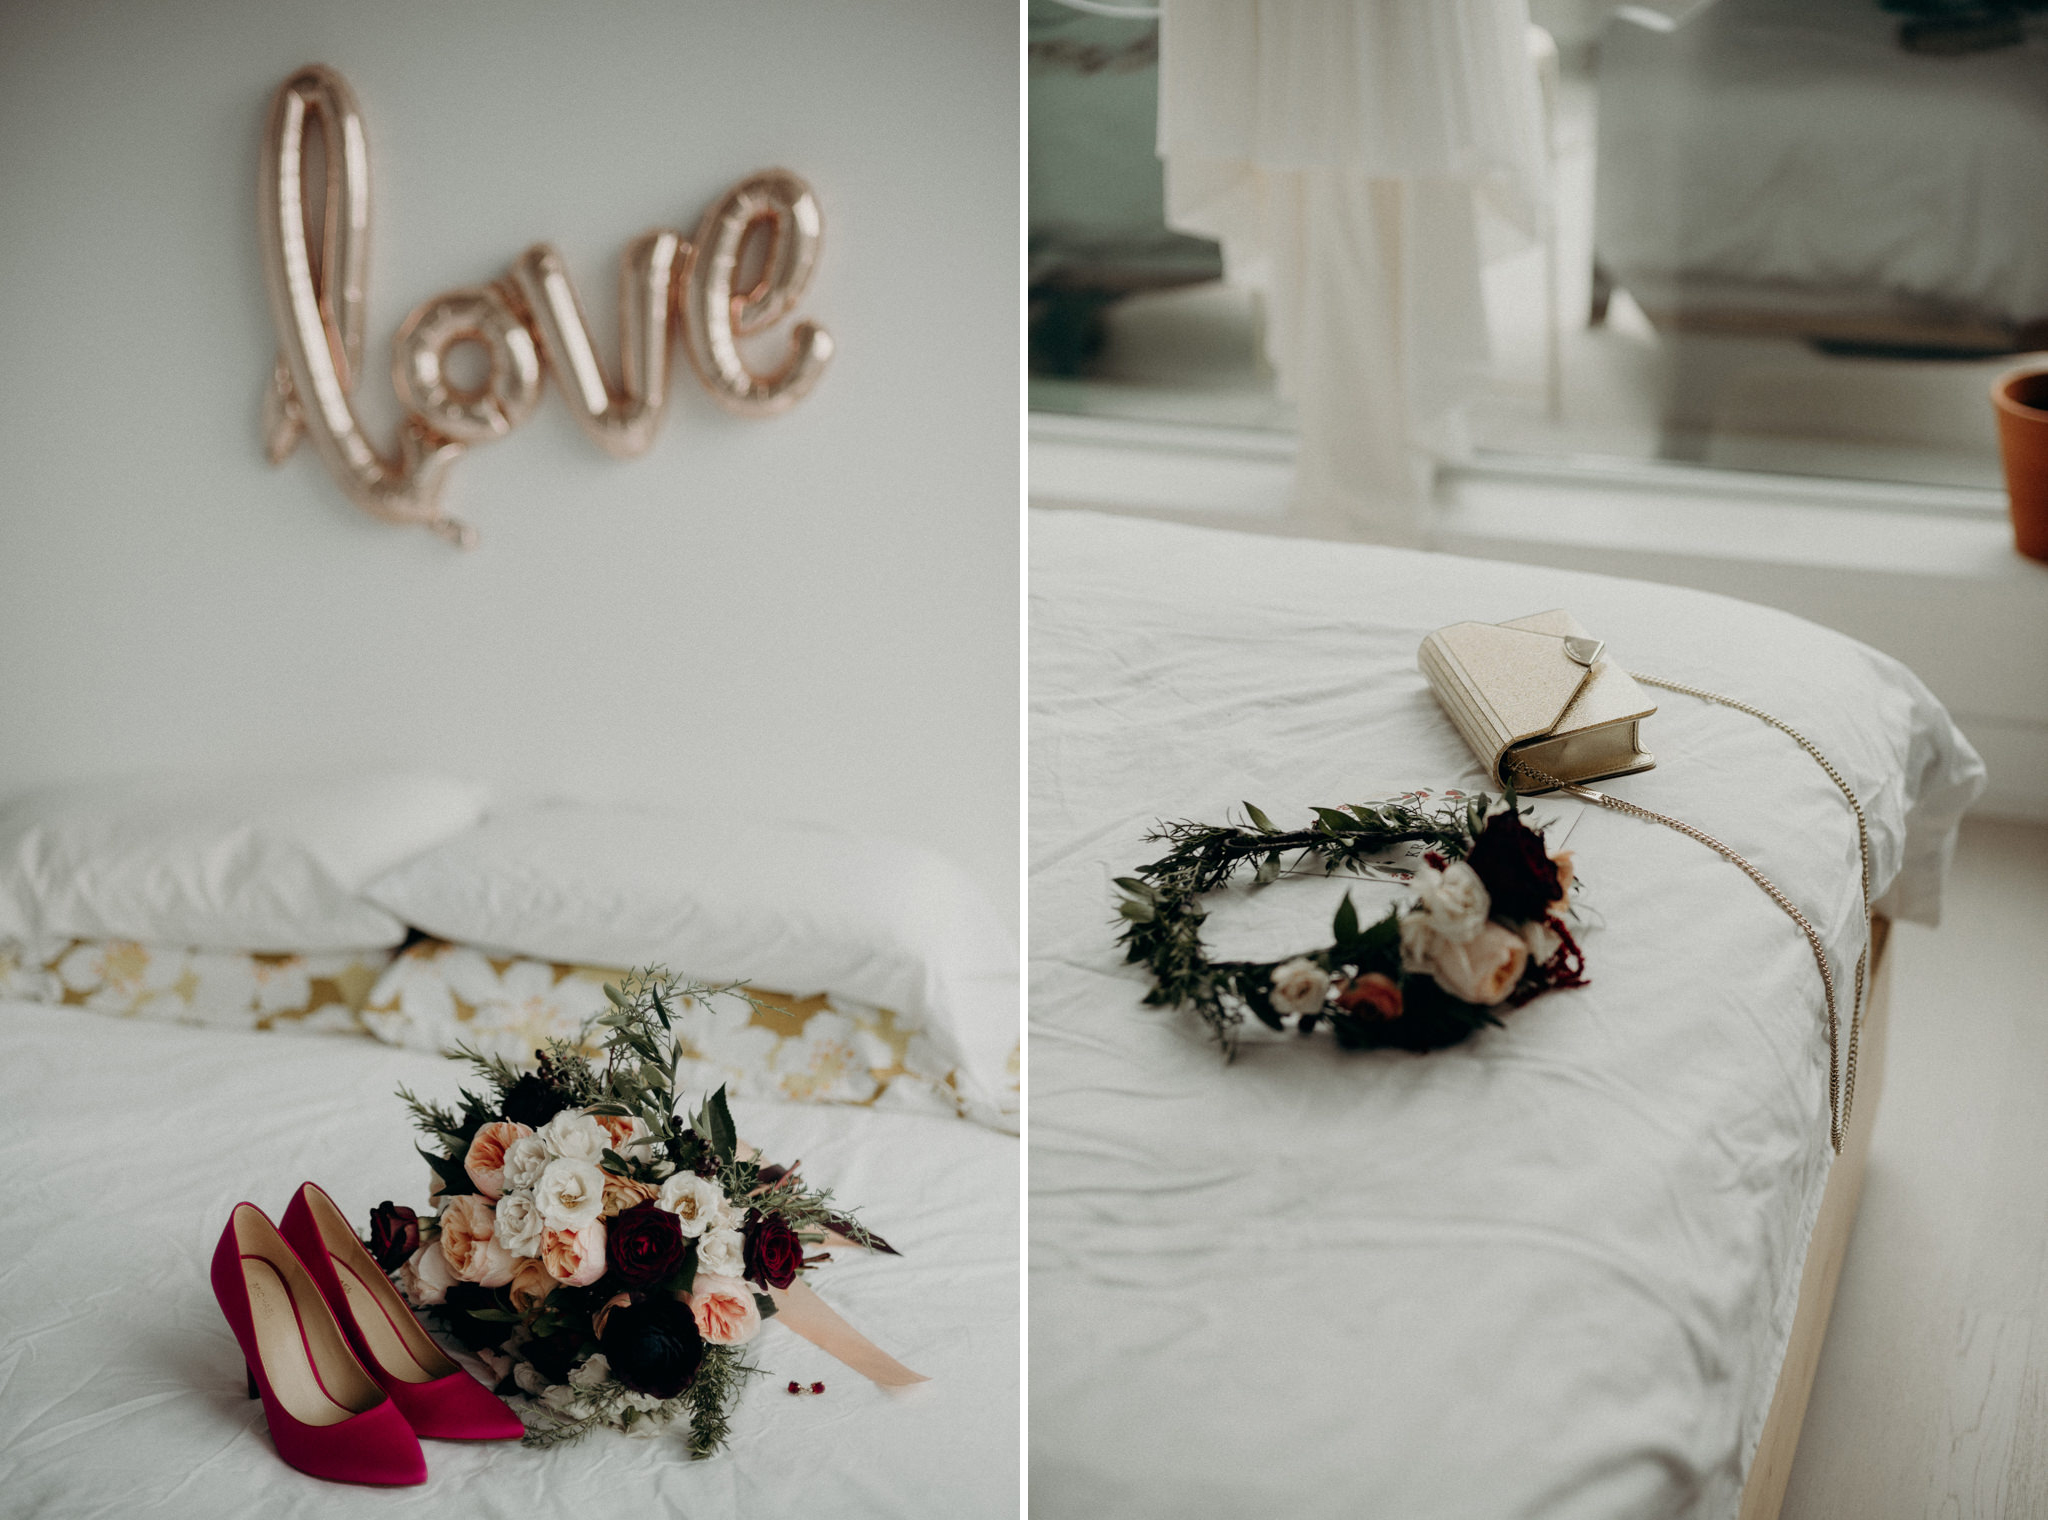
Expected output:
(1539, 690)
(1544, 709)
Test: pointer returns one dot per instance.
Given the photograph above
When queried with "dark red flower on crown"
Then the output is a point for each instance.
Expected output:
(394, 1234)
(1519, 876)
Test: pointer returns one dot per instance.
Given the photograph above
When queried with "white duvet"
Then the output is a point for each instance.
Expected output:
(1789, 153)
(123, 1145)
(1547, 1273)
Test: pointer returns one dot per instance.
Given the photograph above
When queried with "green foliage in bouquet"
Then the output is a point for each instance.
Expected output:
(623, 1309)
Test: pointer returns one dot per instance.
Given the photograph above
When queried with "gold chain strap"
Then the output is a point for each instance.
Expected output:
(1841, 1076)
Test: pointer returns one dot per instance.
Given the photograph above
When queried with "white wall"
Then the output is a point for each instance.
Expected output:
(815, 614)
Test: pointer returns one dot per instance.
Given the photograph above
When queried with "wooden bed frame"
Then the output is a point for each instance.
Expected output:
(1764, 1494)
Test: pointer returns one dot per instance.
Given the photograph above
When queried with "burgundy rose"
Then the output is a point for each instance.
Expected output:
(644, 1244)
(1520, 877)
(773, 1253)
(394, 1235)
(653, 1347)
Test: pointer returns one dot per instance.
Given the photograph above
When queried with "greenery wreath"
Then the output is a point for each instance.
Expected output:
(1485, 931)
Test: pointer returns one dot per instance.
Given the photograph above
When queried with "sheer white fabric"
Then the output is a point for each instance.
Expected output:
(1341, 151)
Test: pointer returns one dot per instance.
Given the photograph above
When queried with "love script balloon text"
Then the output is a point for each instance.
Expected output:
(529, 323)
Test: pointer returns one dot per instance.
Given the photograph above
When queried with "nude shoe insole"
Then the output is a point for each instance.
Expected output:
(394, 1338)
(281, 1346)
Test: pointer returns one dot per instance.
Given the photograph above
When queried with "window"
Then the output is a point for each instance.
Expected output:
(1792, 236)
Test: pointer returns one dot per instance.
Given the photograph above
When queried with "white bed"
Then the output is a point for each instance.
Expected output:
(123, 1145)
(1785, 165)
(1548, 1273)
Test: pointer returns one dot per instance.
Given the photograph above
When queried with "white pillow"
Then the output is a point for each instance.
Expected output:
(273, 864)
(800, 910)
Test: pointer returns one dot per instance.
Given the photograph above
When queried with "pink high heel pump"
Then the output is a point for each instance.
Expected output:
(327, 1417)
(434, 1394)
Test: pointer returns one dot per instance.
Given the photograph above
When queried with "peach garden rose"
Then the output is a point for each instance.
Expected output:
(427, 1277)
(724, 1308)
(468, 1231)
(485, 1162)
(1482, 969)
(574, 1258)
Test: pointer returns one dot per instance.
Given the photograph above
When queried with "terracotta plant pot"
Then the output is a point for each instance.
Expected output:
(2021, 401)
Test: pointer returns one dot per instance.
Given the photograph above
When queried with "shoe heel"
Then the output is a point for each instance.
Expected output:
(326, 1415)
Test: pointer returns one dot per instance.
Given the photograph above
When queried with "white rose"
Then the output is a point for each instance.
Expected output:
(519, 1224)
(722, 1253)
(569, 1194)
(525, 1159)
(1299, 986)
(427, 1277)
(694, 1200)
(729, 1215)
(1418, 944)
(1455, 900)
(575, 1136)
(529, 1378)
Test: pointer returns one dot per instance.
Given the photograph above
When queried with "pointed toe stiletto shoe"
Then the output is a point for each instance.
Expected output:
(434, 1394)
(327, 1415)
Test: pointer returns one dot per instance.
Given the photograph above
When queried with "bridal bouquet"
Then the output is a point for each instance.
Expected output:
(604, 1255)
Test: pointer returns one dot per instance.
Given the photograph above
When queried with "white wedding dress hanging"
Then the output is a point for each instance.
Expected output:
(1342, 152)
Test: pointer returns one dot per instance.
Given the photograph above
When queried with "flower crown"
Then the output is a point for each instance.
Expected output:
(1486, 929)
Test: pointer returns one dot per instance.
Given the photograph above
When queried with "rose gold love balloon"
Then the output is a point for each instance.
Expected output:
(529, 323)
(621, 420)
(419, 356)
(717, 314)
(319, 315)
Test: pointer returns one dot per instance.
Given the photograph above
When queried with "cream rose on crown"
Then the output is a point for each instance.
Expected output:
(1299, 986)
(1482, 969)
(1454, 899)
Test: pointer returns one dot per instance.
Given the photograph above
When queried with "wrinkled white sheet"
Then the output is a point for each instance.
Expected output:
(1547, 1273)
(1791, 147)
(124, 1145)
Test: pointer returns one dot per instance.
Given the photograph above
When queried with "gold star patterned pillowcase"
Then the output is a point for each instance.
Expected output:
(317, 992)
(821, 1048)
